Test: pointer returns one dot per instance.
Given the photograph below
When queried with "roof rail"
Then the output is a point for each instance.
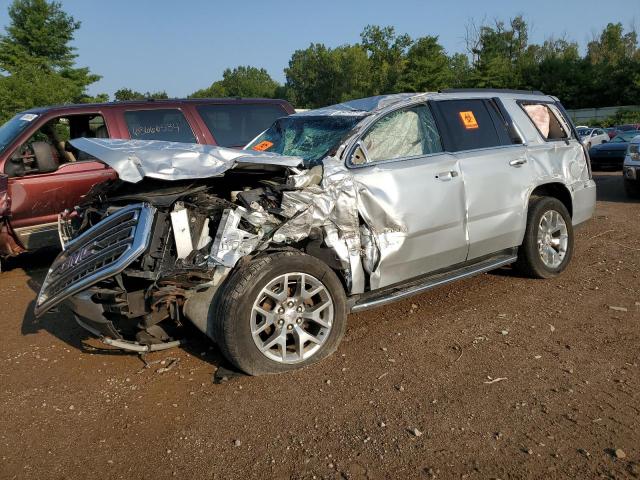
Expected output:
(494, 90)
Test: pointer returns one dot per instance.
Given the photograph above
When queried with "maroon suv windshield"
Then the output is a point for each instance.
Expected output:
(14, 127)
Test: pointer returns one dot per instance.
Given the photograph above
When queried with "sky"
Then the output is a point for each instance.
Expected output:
(181, 46)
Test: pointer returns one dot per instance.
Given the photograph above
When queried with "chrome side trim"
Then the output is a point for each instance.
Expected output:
(427, 283)
(101, 252)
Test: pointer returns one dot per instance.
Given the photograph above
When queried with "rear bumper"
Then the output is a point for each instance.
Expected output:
(584, 202)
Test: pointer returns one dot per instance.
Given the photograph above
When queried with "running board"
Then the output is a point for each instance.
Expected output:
(422, 284)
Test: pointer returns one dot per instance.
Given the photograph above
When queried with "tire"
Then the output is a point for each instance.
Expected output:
(235, 322)
(632, 188)
(530, 258)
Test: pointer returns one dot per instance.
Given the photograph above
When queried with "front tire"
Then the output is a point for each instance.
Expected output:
(547, 247)
(279, 312)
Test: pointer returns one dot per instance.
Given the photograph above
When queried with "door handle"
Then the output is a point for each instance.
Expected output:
(446, 176)
(518, 162)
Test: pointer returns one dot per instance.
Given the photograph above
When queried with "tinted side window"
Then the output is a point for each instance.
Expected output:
(404, 133)
(471, 124)
(236, 125)
(162, 124)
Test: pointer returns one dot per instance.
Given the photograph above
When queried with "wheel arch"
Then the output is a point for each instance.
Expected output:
(556, 190)
(315, 248)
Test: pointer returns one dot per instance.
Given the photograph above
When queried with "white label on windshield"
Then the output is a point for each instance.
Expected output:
(29, 117)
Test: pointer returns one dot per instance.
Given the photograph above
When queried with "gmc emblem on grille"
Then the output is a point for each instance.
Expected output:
(76, 257)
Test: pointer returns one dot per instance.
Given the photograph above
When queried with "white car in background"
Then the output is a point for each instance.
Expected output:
(592, 136)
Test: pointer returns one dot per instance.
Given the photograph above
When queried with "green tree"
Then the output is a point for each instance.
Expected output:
(36, 59)
(613, 61)
(613, 46)
(124, 94)
(318, 76)
(553, 68)
(427, 67)
(460, 71)
(242, 81)
(387, 55)
(496, 51)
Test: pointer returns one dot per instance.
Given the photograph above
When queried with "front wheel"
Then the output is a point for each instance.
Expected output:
(279, 312)
(547, 247)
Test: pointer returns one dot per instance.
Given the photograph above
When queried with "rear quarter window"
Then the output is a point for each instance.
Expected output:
(471, 124)
(235, 125)
(168, 124)
(548, 120)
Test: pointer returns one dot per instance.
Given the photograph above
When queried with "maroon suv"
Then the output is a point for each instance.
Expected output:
(41, 174)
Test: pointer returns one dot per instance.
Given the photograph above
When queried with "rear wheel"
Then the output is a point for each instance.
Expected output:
(280, 312)
(547, 247)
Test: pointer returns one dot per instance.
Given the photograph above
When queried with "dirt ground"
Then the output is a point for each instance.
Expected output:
(492, 377)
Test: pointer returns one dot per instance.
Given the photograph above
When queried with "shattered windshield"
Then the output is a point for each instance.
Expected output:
(14, 127)
(311, 138)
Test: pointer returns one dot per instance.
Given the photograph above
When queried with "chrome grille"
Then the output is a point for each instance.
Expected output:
(100, 252)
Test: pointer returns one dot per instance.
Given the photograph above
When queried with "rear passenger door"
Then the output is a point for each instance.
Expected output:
(494, 167)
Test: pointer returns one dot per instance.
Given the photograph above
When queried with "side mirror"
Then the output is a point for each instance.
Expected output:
(605, 141)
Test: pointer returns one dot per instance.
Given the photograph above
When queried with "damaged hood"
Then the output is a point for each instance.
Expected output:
(134, 160)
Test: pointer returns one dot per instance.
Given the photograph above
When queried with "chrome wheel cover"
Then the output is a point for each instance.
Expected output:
(292, 317)
(553, 239)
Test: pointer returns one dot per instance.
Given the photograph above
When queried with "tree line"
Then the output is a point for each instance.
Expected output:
(37, 65)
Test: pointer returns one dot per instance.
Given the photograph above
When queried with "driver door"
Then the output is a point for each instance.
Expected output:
(48, 182)
(411, 195)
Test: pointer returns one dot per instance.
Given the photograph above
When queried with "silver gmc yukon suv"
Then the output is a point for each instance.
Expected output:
(330, 211)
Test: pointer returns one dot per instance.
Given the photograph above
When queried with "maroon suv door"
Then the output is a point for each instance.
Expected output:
(38, 198)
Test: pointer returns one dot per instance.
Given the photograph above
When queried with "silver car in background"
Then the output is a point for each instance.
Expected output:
(327, 212)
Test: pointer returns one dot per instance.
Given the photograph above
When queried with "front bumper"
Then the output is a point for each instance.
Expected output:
(90, 315)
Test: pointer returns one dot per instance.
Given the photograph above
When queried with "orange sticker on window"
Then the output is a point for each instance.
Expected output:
(262, 146)
(468, 120)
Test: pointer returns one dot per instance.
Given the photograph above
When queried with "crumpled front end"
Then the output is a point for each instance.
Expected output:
(131, 269)
(136, 271)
